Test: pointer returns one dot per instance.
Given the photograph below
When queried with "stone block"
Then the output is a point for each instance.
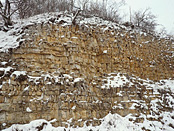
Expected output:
(64, 106)
(2, 98)
(14, 117)
(32, 106)
(125, 98)
(33, 116)
(96, 122)
(63, 115)
(94, 114)
(4, 106)
(17, 107)
(2, 117)
(15, 99)
(83, 114)
(13, 82)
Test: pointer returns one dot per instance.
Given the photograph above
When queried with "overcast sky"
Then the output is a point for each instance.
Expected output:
(163, 9)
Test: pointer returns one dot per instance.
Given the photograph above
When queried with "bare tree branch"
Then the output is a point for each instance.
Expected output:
(145, 19)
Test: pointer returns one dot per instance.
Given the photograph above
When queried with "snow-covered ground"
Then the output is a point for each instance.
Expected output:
(112, 122)
(109, 123)
(7, 41)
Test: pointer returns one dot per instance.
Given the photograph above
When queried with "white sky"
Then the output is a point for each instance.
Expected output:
(163, 9)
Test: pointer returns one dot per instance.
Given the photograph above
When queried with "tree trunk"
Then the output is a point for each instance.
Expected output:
(7, 21)
(72, 5)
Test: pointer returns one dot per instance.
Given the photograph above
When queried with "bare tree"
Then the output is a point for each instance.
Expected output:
(27, 8)
(108, 10)
(145, 19)
(113, 11)
(5, 12)
(10, 7)
(83, 5)
(72, 4)
(23, 7)
(95, 8)
(162, 31)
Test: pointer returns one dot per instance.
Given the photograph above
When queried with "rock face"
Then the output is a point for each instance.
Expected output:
(94, 50)
(66, 71)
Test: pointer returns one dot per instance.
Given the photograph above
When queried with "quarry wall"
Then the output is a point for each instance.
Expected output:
(58, 71)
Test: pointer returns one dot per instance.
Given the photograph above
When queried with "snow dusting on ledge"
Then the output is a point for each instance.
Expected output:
(18, 73)
(115, 80)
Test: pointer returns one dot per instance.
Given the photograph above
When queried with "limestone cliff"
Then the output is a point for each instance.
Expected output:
(85, 71)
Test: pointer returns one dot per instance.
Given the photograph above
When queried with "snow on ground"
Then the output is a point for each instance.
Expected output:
(156, 125)
(7, 41)
(112, 122)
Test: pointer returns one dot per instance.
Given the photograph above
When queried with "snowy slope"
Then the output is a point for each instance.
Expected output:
(7, 41)
(109, 123)
(112, 122)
